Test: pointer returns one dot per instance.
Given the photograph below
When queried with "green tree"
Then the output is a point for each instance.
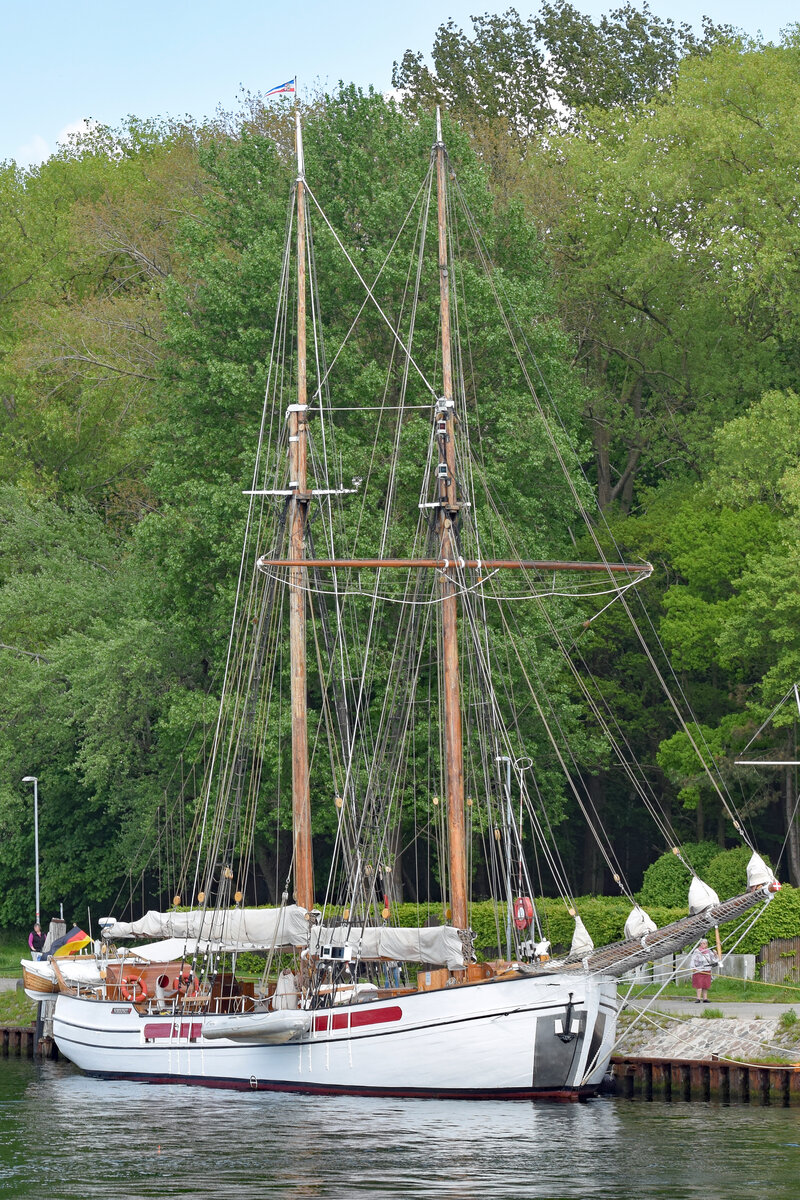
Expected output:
(91, 242)
(531, 74)
(90, 682)
(731, 613)
(671, 242)
(364, 159)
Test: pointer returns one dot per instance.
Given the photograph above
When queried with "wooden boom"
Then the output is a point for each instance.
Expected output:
(443, 564)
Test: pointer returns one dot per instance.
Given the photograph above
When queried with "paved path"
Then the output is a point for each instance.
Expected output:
(731, 1008)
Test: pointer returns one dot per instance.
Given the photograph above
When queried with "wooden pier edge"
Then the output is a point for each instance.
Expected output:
(25, 1041)
(34, 1040)
(704, 1079)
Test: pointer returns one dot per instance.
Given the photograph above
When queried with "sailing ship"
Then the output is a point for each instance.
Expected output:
(350, 1002)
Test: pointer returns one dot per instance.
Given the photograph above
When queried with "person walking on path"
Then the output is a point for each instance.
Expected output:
(701, 962)
(36, 940)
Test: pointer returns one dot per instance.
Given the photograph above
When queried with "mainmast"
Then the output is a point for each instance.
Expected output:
(297, 417)
(446, 517)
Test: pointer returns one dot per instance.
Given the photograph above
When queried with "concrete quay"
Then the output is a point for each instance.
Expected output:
(671, 1051)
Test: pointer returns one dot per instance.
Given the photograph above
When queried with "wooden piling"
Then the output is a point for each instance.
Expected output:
(20, 1041)
(705, 1080)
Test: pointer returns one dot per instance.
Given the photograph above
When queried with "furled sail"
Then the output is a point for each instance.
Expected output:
(639, 923)
(225, 929)
(701, 896)
(758, 872)
(276, 928)
(582, 943)
(441, 945)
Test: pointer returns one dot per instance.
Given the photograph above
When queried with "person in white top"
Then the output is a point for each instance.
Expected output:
(701, 962)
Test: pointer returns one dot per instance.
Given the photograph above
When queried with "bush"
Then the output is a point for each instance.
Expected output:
(666, 881)
(605, 916)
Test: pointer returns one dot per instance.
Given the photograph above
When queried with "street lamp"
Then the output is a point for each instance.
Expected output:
(33, 779)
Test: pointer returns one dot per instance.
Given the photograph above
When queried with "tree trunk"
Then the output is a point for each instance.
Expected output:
(267, 864)
(603, 463)
(393, 876)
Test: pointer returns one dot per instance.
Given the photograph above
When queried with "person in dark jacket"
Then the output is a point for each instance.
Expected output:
(36, 940)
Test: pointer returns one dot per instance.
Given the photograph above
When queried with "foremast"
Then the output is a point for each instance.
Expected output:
(445, 527)
(297, 417)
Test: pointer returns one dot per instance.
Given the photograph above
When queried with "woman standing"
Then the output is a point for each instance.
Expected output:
(36, 941)
(702, 960)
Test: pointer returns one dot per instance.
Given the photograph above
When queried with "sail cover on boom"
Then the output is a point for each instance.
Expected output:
(227, 929)
(288, 928)
(441, 945)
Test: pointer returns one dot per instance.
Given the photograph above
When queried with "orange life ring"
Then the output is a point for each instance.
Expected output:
(186, 983)
(523, 912)
(128, 987)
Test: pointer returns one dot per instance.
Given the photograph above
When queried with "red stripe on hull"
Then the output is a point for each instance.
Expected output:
(372, 1016)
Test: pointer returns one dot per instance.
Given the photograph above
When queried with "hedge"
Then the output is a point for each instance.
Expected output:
(781, 919)
(604, 918)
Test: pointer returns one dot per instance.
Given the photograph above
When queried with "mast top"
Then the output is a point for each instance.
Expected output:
(298, 141)
(439, 140)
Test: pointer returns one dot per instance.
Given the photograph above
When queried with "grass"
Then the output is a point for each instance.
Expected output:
(767, 1060)
(725, 988)
(13, 947)
(712, 1013)
(16, 1008)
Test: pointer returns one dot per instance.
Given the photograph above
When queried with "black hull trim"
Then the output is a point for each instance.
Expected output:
(561, 1095)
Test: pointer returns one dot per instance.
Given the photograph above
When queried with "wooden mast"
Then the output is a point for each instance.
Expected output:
(298, 483)
(444, 417)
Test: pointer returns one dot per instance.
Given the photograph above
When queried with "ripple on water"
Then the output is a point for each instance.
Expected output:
(67, 1136)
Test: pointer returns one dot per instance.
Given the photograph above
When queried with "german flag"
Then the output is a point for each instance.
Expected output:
(70, 943)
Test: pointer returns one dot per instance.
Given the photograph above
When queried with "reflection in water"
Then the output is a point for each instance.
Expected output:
(62, 1135)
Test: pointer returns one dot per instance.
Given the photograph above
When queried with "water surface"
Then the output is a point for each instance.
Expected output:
(65, 1136)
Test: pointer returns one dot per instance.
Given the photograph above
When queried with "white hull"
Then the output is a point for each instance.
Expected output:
(494, 1039)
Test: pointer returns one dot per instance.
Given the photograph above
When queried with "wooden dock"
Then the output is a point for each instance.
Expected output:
(20, 1041)
(30, 1041)
(706, 1079)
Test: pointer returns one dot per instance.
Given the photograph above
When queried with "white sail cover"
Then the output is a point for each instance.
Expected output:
(639, 924)
(701, 896)
(582, 943)
(163, 952)
(265, 928)
(758, 872)
(227, 929)
(441, 945)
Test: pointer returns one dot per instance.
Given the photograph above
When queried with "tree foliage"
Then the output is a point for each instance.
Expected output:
(636, 186)
(666, 881)
(532, 73)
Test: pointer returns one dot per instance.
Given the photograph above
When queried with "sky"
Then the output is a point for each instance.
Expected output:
(62, 64)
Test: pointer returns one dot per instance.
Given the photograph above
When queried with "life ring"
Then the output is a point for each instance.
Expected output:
(128, 987)
(523, 912)
(186, 984)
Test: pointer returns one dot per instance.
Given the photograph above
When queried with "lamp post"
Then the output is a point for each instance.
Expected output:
(33, 779)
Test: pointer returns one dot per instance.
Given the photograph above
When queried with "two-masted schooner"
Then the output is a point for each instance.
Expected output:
(339, 1009)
